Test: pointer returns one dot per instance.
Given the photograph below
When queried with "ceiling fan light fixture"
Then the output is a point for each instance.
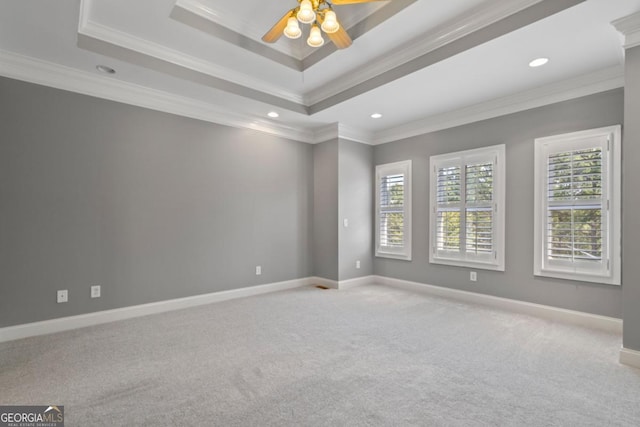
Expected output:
(306, 15)
(320, 17)
(292, 29)
(330, 24)
(315, 37)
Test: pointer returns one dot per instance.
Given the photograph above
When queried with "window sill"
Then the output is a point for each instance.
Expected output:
(468, 264)
(402, 257)
(580, 277)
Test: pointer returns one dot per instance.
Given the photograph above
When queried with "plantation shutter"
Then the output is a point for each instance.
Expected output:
(393, 210)
(467, 191)
(577, 221)
(576, 206)
(391, 221)
(465, 209)
(449, 199)
(479, 208)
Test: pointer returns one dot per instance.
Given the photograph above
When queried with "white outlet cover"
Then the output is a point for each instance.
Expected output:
(63, 296)
(258, 270)
(95, 291)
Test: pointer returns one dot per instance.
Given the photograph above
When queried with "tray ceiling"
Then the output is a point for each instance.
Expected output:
(418, 63)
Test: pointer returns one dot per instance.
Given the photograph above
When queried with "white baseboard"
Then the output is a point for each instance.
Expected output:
(630, 357)
(343, 284)
(609, 324)
(358, 281)
(333, 284)
(73, 322)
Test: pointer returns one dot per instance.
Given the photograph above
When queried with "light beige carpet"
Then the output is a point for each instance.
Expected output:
(307, 357)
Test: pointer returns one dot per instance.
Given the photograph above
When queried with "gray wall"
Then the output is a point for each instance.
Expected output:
(153, 206)
(325, 210)
(631, 202)
(518, 132)
(149, 205)
(356, 204)
(343, 188)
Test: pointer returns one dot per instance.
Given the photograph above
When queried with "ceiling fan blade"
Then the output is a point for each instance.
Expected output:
(275, 32)
(340, 38)
(341, 2)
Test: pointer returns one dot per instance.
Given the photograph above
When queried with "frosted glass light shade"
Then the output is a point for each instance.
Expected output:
(330, 24)
(292, 30)
(315, 37)
(306, 15)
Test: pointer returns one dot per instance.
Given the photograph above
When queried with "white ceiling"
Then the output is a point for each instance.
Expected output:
(423, 64)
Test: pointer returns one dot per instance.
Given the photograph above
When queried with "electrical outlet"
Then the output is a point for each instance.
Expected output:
(358, 264)
(95, 291)
(345, 222)
(63, 296)
(258, 270)
(473, 276)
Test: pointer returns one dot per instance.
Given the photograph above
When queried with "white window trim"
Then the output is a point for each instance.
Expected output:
(461, 158)
(612, 275)
(403, 167)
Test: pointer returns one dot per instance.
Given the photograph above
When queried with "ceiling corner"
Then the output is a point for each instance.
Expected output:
(629, 27)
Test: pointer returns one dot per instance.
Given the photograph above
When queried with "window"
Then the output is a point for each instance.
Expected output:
(577, 206)
(467, 208)
(393, 210)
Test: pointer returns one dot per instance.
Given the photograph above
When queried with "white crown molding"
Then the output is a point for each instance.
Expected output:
(85, 10)
(99, 317)
(221, 16)
(339, 130)
(355, 134)
(489, 13)
(49, 74)
(228, 20)
(154, 50)
(326, 133)
(576, 87)
(629, 26)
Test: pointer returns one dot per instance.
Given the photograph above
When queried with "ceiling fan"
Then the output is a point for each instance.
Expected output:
(320, 15)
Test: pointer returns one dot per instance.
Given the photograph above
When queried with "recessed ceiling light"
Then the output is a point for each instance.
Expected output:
(538, 62)
(273, 114)
(376, 115)
(105, 69)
